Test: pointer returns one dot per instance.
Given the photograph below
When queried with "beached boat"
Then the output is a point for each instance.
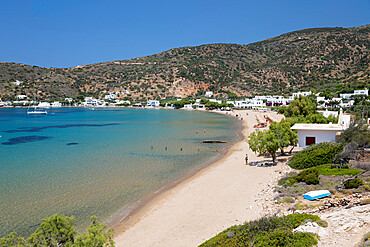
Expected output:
(316, 194)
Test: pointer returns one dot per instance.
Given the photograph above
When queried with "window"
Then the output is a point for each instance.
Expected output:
(310, 140)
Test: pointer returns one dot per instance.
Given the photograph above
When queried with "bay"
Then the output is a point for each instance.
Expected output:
(84, 162)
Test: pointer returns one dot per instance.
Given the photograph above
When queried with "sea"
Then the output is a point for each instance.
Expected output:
(98, 161)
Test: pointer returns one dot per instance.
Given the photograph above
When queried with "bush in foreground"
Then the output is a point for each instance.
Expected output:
(353, 184)
(308, 176)
(315, 155)
(59, 231)
(267, 231)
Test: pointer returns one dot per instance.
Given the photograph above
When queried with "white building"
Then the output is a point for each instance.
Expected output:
(215, 100)
(327, 113)
(56, 104)
(249, 103)
(296, 95)
(44, 105)
(110, 96)
(121, 102)
(355, 93)
(152, 103)
(188, 107)
(17, 83)
(346, 95)
(316, 133)
(361, 92)
(209, 94)
(21, 97)
(90, 101)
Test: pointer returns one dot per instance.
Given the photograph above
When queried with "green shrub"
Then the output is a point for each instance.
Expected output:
(287, 181)
(353, 184)
(326, 170)
(309, 176)
(267, 231)
(322, 223)
(315, 155)
(281, 237)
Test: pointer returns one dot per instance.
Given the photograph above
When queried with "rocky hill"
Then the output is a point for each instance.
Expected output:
(318, 58)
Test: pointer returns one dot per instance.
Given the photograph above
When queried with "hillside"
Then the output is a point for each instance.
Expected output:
(319, 58)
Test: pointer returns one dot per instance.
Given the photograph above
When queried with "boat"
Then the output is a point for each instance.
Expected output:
(35, 110)
(213, 141)
(316, 194)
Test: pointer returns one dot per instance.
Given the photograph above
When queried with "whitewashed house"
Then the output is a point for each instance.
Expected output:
(296, 95)
(346, 95)
(215, 100)
(21, 97)
(69, 100)
(327, 113)
(361, 92)
(110, 96)
(56, 104)
(188, 107)
(249, 103)
(209, 94)
(17, 82)
(309, 134)
(152, 103)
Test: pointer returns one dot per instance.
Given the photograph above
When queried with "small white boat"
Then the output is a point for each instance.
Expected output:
(36, 110)
(316, 194)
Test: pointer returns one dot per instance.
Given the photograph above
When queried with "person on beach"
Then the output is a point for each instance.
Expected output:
(246, 159)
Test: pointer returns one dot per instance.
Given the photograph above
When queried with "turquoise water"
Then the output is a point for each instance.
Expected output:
(83, 162)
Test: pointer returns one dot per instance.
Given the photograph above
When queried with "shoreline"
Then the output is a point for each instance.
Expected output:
(122, 219)
(159, 217)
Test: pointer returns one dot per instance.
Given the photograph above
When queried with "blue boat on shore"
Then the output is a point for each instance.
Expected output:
(316, 194)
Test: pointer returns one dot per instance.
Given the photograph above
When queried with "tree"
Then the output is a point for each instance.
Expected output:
(54, 231)
(264, 142)
(59, 231)
(271, 144)
(12, 240)
(302, 106)
(95, 235)
(256, 142)
(212, 105)
(284, 135)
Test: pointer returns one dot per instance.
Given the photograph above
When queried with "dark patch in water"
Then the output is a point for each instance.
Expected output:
(72, 143)
(25, 139)
(38, 129)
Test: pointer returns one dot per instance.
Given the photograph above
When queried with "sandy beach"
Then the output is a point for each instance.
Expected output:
(223, 194)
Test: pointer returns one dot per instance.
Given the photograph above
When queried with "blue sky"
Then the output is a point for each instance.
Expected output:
(67, 33)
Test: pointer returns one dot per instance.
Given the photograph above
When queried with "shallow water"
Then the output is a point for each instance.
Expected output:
(76, 161)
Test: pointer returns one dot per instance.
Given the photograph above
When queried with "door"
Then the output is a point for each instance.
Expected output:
(310, 140)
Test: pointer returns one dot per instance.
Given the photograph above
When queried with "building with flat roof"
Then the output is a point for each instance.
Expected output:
(309, 134)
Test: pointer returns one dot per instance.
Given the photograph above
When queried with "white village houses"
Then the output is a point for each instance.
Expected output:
(316, 133)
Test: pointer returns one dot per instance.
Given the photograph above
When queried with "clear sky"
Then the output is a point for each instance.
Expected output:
(67, 33)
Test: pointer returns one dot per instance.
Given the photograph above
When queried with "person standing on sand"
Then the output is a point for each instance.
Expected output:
(246, 159)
